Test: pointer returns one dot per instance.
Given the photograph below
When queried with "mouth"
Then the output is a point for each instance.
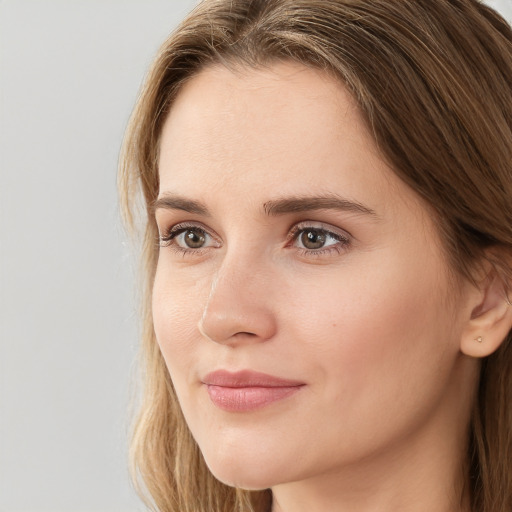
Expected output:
(247, 390)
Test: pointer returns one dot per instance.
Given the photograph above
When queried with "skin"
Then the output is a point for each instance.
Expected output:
(371, 323)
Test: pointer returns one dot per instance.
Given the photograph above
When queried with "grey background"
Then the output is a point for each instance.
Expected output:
(69, 75)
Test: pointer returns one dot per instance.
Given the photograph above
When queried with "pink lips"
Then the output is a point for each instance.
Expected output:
(247, 390)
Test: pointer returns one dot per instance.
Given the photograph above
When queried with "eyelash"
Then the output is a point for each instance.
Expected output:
(343, 240)
(168, 239)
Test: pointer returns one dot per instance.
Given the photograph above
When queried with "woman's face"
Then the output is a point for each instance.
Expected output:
(302, 301)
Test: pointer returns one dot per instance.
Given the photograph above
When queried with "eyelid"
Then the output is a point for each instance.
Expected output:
(168, 235)
(321, 226)
(342, 240)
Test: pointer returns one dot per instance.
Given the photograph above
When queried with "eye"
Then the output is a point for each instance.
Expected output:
(313, 239)
(185, 237)
(193, 238)
(317, 240)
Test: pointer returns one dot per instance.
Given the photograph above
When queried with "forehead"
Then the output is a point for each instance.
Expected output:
(287, 129)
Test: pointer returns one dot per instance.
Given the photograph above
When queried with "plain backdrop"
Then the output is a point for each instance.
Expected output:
(69, 75)
(70, 71)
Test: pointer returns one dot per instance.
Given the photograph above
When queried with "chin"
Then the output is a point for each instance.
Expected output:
(245, 473)
(248, 482)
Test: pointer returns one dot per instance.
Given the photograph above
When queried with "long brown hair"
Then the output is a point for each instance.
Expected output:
(433, 80)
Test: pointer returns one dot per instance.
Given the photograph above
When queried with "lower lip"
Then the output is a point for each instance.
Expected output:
(248, 399)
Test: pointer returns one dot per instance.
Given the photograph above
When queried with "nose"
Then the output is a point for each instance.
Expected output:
(239, 308)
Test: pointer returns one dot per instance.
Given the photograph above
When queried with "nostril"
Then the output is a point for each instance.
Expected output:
(232, 317)
(225, 329)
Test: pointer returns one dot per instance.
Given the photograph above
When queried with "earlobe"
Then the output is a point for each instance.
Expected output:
(491, 319)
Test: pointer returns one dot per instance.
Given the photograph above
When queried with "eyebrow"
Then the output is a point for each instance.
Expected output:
(174, 202)
(272, 208)
(311, 203)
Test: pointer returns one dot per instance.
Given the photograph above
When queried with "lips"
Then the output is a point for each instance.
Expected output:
(247, 390)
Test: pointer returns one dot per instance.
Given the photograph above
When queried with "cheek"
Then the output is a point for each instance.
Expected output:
(371, 331)
(177, 309)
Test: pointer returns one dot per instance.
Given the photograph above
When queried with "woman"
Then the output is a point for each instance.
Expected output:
(328, 258)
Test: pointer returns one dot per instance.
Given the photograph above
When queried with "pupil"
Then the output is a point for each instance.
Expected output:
(313, 239)
(194, 238)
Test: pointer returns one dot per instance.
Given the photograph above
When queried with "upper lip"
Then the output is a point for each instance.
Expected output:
(247, 379)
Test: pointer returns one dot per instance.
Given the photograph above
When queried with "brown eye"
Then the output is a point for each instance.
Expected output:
(313, 239)
(194, 238)
(318, 241)
(188, 238)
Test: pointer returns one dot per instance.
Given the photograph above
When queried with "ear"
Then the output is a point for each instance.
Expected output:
(491, 317)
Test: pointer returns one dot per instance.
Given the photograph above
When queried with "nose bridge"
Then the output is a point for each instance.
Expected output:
(238, 306)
